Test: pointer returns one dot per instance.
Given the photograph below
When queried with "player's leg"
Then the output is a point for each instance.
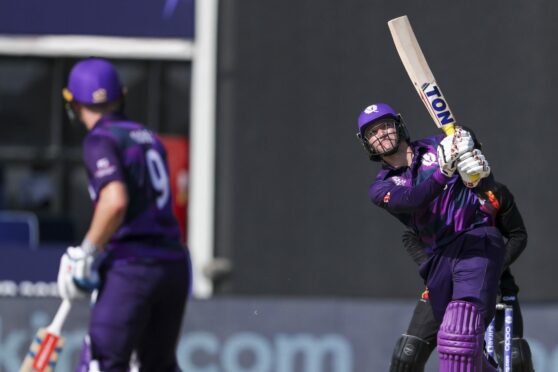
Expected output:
(521, 356)
(413, 348)
(157, 347)
(521, 352)
(119, 315)
(476, 272)
(460, 339)
(86, 361)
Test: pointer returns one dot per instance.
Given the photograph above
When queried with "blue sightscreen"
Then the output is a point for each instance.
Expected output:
(142, 18)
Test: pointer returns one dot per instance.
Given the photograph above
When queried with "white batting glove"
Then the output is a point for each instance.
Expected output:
(75, 275)
(67, 289)
(472, 167)
(451, 148)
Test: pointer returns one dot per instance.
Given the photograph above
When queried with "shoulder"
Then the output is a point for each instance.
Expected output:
(381, 187)
(117, 132)
(380, 192)
(502, 192)
(99, 137)
(425, 146)
(425, 151)
(491, 184)
(382, 174)
(432, 141)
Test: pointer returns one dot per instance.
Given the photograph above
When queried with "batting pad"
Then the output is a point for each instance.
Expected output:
(460, 338)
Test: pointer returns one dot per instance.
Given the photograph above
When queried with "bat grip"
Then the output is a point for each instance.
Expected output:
(448, 129)
(60, 317)
(475, 177)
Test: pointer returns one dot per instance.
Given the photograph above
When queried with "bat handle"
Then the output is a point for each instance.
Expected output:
(60, 317)
(448, 129)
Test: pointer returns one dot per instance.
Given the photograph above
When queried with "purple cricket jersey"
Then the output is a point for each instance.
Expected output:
(438, 208)
(117, 149)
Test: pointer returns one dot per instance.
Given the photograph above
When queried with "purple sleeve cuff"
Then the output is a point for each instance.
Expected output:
(439, 177)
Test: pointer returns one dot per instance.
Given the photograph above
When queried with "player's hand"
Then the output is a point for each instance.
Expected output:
(451, 148)
(67, 289)
(472, 167)
(75, 275)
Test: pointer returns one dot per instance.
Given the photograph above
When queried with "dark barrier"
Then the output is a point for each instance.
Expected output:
(269, 335)
(293, 212)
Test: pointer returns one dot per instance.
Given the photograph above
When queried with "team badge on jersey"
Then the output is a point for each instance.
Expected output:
(399, 181)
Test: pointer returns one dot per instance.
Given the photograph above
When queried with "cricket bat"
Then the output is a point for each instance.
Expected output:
(421, 76)
(47, 344)
(419, 72)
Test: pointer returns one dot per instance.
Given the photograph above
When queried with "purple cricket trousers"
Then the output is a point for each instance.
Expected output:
(467, 269)
(140, 307)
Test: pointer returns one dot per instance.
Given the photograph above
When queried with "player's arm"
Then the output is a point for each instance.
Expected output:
(109, 213)
(76, 274)
(103, 162)
(510, 223)
(414, 246)
(402, 199)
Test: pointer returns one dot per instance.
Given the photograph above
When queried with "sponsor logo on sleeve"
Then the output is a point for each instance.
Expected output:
(492, 206)
(495, 203)
(425, 295)
(387, 197)
(104, 168)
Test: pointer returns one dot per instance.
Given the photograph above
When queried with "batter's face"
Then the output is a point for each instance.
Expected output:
(382, 136)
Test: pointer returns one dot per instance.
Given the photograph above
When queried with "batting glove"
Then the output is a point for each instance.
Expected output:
(76, 278)
(472, 167)
(451, 148)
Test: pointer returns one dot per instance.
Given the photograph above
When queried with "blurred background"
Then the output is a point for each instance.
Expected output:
(295, 270)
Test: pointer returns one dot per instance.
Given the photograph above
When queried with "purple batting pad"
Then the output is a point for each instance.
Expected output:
(460, 338)
(86, 361)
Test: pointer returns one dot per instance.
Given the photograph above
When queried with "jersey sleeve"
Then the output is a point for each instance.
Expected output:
(102, 161)
(414, 246)
(510, 223)
(404, 199)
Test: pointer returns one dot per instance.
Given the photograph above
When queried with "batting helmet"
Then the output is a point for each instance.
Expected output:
(371, 115)
(93, 81)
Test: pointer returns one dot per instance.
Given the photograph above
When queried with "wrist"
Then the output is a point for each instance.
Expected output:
(89, 248)
(440, 177)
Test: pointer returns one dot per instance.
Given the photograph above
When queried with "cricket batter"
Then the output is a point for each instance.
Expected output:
(143, 276)
(413, 348)
(418, 184)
